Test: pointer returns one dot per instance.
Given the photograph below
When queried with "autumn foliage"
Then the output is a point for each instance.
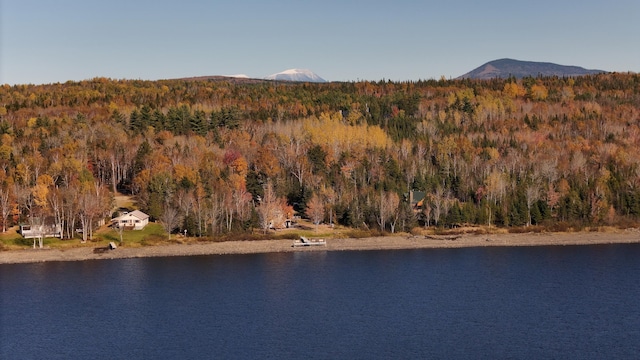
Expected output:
(502, 152)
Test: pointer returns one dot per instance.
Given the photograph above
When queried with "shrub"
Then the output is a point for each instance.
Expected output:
(153, 239)
(526, 229)
(359, 234)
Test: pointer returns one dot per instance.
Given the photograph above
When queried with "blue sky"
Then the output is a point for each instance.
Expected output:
(45, 41)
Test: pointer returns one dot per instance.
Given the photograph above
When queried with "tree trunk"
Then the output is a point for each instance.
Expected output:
(85, 226)
(229, 220)
(91, 229)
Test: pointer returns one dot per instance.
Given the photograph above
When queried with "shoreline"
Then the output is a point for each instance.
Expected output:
(396, 242)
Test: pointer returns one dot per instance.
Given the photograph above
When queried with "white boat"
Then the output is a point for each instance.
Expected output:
(308, 242)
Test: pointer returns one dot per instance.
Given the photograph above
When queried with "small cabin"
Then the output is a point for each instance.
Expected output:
(135, 220)
(30, 231)
(416, 199)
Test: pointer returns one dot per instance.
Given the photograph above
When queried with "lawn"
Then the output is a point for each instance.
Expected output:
(151, 234)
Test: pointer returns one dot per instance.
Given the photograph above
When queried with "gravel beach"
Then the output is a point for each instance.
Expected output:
(373, 243)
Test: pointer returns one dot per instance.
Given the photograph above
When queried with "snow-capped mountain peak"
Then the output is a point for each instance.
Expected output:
(302, 75)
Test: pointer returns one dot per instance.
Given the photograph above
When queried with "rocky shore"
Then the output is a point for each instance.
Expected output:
(373, 243)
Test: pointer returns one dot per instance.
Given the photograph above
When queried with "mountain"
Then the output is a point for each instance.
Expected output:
(234, 79)
(300, 75)
(238, 76)
(504, 68)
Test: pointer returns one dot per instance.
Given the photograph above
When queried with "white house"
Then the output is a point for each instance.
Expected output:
(30, 231)
(135, 220)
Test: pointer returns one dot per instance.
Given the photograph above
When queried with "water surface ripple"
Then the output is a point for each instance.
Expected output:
(577, 302)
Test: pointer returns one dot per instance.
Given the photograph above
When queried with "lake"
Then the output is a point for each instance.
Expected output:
(578, 302)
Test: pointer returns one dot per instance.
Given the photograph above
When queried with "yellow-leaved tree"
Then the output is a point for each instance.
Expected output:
(514, 90)
(39, 210)
(538, 92)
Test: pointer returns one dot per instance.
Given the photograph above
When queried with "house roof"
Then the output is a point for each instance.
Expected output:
(416, 196)
(139, 214)
(136, 213)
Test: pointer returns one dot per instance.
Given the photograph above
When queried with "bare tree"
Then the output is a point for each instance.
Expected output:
(55, 204)
(331, 197)
(387, 206)
(120, 230)
(439, 199)
(70, 205)
(5, 207)
(496, 184)
(227, 208)
(532, 194)
(87, 209)
(393, 202)
(37, 230)
(94, 203)
(242, 201)
(184, 200)
(267, 208)
(198, 205)
(170, 219)
(213, 211)
(426, 212)
(410, 172)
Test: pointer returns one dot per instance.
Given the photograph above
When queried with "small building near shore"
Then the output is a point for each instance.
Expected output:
(135, 220)
(416, 199)
(30, 231)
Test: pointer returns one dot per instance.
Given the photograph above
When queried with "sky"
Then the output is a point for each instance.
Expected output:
(49, 41)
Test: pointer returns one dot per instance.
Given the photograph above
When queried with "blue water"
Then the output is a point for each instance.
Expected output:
(492, 303)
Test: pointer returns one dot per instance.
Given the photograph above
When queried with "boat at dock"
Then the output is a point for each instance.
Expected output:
(309, 242)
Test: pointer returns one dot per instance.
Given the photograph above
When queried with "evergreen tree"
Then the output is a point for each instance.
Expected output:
(197, 123)
(255, 185)
(190, 224)
(228, 118)
(158, 120)
(134, 121)
(145, 117)
(161, 187)
(518, 211)
(536, 215)
(139, 162)
(454, 217)
(117, 117)
(317, 156)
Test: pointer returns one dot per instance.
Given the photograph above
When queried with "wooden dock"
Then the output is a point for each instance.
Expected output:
(309, 242)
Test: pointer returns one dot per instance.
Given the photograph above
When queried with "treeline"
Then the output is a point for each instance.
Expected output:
(215, 156)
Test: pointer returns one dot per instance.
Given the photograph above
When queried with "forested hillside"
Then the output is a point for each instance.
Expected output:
(214, 157)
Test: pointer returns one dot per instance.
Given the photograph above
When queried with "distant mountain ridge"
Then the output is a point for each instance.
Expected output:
(293, 75)
(300, 75)
(504, 68)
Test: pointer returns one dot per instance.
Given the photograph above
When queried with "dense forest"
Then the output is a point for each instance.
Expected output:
(224, 156)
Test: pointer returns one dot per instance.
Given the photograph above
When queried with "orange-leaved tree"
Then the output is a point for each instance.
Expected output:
(315, 210)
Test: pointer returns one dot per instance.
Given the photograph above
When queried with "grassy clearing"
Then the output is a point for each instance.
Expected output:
(10, 240)
(124, 201)
(150, 235)
(154, 234)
